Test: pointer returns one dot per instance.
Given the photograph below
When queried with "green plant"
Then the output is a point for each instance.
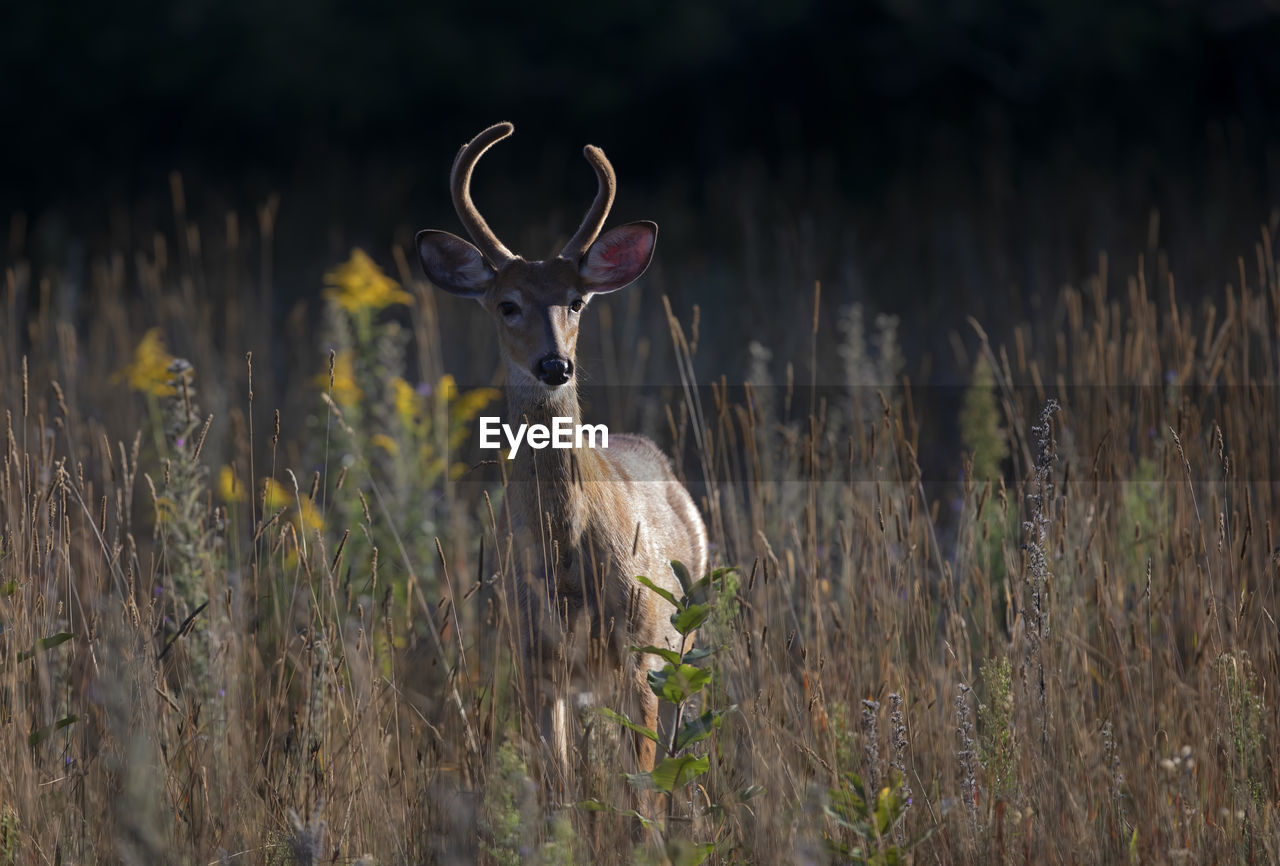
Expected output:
(864, 824)
(1244, 714)
(399, 439)
(987, 443)
(10, 833)
(1145, 517)
(683, 684)
(511, 809)
(981, 431)
(995, 721)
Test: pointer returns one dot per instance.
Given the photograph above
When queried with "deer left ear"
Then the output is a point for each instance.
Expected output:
(453, 264)
(618, 257)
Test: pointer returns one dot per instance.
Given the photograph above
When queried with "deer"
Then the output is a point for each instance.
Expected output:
(581, 523)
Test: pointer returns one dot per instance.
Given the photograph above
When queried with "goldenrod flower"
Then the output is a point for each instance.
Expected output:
(166, 509)
(309, 516)
(447, 389)
(406, 401)
(465, 408)
(345, 390)
(359, 284)
(385, 442)
(305, 514)
(471, 403)
(149, 371)
(277, 496)
(229, 487)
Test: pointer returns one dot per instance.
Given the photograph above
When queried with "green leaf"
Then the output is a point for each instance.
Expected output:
(698, 729)
(665, 593)
(675, 685)
(644, 822)
(46, 643)
(674, 773)
(689, 618)
(39, 735)
(641, 781)
(658, 679)
(682, 852)
(884, 812)
(593, 805)
(694, 656)
(9, 588)
(700, 590)
(671, 656)
(750, 793)
(682, 575)
(626, 722)
(859, 789)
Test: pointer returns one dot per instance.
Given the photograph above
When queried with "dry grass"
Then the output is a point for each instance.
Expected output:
(1075, 662)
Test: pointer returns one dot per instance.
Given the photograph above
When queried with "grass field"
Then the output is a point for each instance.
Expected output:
(249, 612)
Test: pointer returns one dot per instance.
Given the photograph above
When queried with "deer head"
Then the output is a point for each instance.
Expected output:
(536, 304)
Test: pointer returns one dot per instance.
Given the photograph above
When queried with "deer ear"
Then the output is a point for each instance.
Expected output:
(453, 264)
(618, 257)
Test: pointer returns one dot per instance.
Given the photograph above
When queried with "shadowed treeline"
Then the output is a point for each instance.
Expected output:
(892, 149)
(102, 102)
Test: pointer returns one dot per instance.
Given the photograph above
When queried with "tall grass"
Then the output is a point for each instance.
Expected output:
(254, 605)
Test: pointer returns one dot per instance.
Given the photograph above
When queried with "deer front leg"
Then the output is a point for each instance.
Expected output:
(553, 736)
(644, 703)
(646, 749)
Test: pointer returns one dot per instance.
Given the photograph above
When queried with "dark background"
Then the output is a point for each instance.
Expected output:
(906, 153)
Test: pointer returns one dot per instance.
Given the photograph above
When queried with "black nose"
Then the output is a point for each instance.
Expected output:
(553, 370)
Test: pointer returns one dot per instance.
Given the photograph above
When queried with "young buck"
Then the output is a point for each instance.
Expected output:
(582, 522)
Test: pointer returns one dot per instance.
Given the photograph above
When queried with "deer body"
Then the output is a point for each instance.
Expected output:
(582, 522)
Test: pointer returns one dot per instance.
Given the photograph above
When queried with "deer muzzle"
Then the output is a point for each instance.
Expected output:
(554, 370)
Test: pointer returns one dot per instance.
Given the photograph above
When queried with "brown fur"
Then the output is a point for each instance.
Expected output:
(583, 523)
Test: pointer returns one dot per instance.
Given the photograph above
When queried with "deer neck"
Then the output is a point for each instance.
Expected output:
(544, 486)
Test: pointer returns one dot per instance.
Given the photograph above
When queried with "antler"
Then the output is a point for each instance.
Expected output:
(594, 220)
(488, 243)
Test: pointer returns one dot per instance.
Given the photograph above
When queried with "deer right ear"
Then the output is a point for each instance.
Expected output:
(619, 257)
(453, 264)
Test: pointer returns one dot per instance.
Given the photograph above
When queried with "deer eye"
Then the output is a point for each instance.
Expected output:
(508, 309)
(577, 305)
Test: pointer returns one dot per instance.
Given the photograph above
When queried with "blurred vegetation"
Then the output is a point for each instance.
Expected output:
(931, 161)
(250, 602)
(273, 94)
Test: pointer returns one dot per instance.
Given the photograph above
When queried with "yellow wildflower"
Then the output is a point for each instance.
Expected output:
(447, 389)
(406, 401)
(277, 496)
(385, 442)
(229, 487)
(304, 512)
(457, 435)
(149, 371)
(470, 404)
(465, 409)
(309, 516)
(345, 390)
(359, 284)
(166, 509)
